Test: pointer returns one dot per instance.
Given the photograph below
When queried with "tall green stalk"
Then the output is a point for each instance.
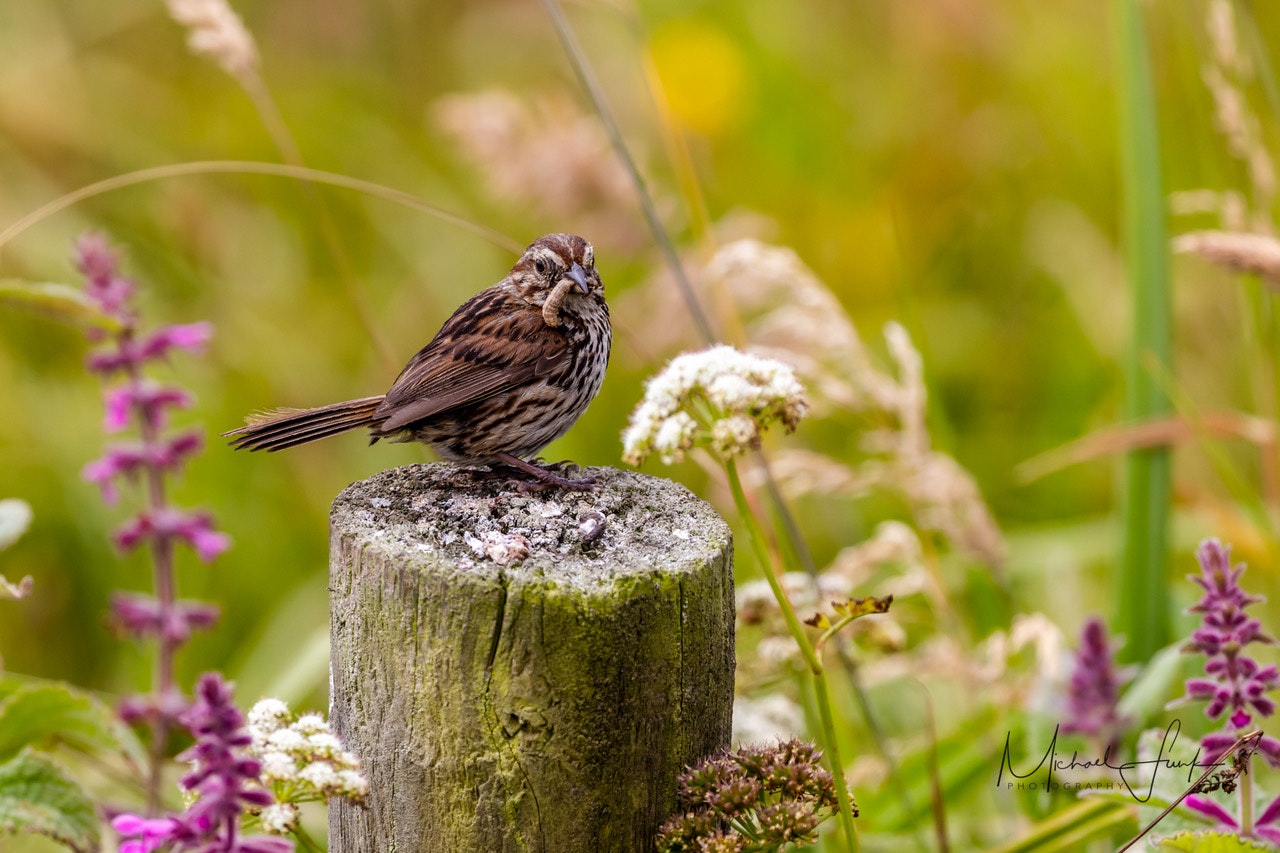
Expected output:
(807, 651)
(1141, 597)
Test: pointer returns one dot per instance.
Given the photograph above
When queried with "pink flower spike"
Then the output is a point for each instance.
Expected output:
(103, 282)
(94, 258)
(1271, 814)
(107, 363)
(264, 844)
(208, 543)
(171, 455)
(196, 529)
(118, 404)
(121, 459)
(1209, 808)
(131, 534)
(189, 336)
(101, 471)
(151, 833)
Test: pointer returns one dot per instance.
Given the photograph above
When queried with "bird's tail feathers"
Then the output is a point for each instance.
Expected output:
(279, 429)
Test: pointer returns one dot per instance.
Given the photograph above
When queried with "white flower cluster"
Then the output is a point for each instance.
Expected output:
(720, 397)
(302, 760)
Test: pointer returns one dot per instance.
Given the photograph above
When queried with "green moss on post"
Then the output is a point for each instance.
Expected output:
(512, 683)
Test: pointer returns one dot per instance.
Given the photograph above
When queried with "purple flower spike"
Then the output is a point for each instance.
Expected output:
(223, 778)
(1094, 691)
(140, 402)
(1235, 684)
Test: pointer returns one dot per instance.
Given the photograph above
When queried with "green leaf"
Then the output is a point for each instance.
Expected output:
(963, 762)
(1208, 841)
(37, 796)
(1147, 696)
(45, 714)
(15, 518)
(60, 302)
(1072, 828)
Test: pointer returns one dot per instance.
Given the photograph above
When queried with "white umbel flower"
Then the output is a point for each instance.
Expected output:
(280, 818)
(720, 397)
(321, 775)
(311, 724)
(278, 767)
(301, 759)
(265, 718)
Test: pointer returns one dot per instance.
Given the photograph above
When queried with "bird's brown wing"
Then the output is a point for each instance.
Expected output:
(487, 347)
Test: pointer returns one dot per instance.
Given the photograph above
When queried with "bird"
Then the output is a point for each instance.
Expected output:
(508, 373)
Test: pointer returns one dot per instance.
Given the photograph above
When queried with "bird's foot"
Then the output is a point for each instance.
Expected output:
(537, 476)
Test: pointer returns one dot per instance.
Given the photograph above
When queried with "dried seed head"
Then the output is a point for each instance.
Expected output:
(1242, 252)
(215, 30)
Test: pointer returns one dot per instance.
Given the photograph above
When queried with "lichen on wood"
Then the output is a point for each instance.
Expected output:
(516, 676)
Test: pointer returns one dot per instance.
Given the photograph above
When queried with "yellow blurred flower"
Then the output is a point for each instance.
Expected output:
(703, 75)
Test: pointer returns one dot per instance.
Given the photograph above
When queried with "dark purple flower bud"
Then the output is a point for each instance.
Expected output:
(733, 800)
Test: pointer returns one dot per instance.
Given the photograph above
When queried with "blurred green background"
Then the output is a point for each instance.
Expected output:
(948, 164)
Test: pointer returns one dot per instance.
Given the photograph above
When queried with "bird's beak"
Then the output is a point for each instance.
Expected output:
(579, 277)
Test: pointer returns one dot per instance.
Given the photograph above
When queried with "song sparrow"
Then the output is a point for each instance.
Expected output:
(506, 375)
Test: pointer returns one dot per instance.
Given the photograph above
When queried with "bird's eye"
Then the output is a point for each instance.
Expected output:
(540, 265)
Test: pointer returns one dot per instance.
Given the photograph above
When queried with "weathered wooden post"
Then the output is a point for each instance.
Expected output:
(515, 677)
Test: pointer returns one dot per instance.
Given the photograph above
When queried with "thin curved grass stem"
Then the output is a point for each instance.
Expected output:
(253, 167)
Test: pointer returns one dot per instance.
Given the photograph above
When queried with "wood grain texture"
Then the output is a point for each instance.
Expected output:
(510, 687)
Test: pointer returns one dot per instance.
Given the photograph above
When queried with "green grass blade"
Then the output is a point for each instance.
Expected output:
(1142, 601)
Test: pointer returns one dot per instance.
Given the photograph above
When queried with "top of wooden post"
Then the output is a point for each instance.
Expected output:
(631, 523)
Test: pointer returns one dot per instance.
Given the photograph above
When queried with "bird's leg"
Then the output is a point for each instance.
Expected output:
(543, 477)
